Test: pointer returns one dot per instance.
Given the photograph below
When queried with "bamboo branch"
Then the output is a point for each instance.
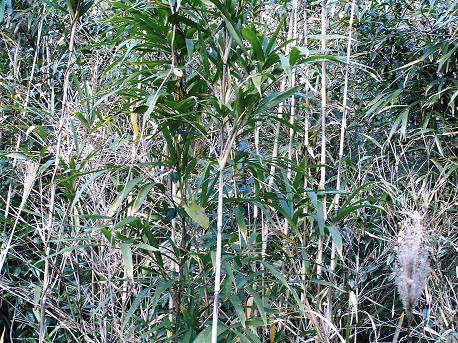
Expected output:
(343, 125)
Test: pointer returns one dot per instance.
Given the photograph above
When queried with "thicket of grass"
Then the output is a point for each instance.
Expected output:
(232, 171)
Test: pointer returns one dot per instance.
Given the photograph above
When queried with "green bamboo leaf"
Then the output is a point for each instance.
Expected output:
(273, 38)
(176, 18)
(283, 280)
(230, 273)
(241, 336)
(373, 141)
(344, 211)
(241, 223)
(36, 295)
(54, 4)
(125, 192)
(189, 47)
(285, 65)
(126, 253)
(205, 335)
(252, 338)
(439, 145)
(258, 301)
(251, 37)
(125, 221)
(364, 187)
(205, 193)
(84, 187)
(16, 155)
(395, 126)
(203, 53)
(410, 64)
(161, 287)
(141, 196)
(66, 249)
(257, 82)
(275, 98)
(405, 117)
(319, 211)
(168, 138)
(276, 273)
(237, 303)
(229, 24)
(337, 239)
(138, 299)
(197, 213)
(85, 6)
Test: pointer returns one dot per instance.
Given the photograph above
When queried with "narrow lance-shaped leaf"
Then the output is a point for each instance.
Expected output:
(127, 189)
(126, 253)
(197, 213)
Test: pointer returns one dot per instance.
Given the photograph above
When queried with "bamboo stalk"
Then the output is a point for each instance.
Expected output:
(226, 148)
(322, 182)
(174, 266)
(292, 108)
(343, 125)
(307, 172)
(323, 99)
(341, 147)
(218, 258)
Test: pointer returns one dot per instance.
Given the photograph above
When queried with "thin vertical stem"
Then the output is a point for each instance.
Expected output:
(224, 155)
(218, 257)
(323, 98)
(341, 147)
(174, 266)
(293, 106)
(343, 125)
(306, 153)
(323, 135)
(50, 223)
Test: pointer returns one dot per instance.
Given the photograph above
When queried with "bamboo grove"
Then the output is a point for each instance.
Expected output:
(228, 171)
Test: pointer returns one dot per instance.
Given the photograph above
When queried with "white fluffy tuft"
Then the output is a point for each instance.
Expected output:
(412, 267)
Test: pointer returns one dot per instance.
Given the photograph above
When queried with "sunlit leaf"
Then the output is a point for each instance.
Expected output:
(197, 213)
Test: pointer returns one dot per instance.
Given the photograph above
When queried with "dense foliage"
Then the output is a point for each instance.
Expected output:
(251, 171)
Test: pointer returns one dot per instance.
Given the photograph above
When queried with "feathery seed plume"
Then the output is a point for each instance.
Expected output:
(412, 267)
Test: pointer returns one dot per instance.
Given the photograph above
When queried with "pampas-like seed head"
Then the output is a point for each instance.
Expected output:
(412, 266)
(30, 170)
